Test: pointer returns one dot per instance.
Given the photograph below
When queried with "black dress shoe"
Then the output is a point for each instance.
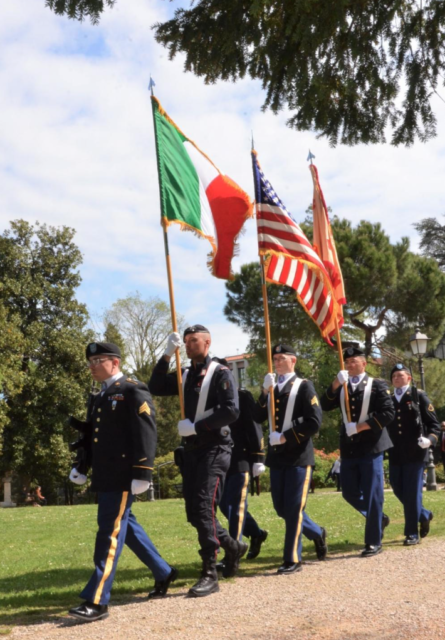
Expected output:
(385, 523)
(255, 544)
(371, 550)
(289, 567)
(321, 547)
(89, 612)
(425, 526)
(234, 553)
(161, 586)
(410, 541)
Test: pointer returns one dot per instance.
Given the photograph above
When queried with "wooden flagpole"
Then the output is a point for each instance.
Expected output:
(268, 342)
(170, 281)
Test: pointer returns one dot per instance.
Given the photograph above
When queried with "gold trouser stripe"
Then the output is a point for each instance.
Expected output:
(306, 485)
(242, 504)
(112, 549)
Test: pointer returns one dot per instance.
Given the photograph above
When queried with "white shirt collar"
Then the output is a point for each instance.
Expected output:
(287, 377)
(404, 389)
(112, 379)
(360, 378)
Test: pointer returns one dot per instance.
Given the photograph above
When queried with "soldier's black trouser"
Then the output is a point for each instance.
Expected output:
(204, 473)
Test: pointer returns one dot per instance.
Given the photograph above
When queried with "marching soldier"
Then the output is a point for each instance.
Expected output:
(211, 405)
(247, 454)
(414, 429)
(119, 443)
(362, 442)
(290, 455)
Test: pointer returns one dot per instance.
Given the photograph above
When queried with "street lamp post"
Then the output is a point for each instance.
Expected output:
(419, 343)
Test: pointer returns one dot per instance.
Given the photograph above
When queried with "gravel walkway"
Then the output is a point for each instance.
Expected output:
(398, 594)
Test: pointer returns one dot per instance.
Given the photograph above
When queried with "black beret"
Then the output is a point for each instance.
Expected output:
(103, 349)
(399, 367)
(350, 352)
(196, 328)
(285, 349)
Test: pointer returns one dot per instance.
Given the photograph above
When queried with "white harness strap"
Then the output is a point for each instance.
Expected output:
(203, 394)
(287, 424)
(365, 406)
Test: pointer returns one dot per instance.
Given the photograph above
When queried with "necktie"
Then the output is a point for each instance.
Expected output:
(103, 388)
(280, 379)
(355, 379)
(399, 392)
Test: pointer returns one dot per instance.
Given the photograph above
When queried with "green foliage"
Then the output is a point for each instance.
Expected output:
(112, 334)
(80, 9)
(323, 464)
(342, 68)
(38, 275)
(433, 240)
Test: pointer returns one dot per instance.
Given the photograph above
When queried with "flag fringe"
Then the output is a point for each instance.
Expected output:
(186, 227)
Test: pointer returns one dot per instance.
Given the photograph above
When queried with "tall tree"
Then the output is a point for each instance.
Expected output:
(348, 69)
(432, 242)
(38, 280)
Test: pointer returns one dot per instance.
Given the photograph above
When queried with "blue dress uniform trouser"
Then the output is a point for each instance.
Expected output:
(290, 487)
(362, 486)
(233, 505)
(203, 476)
(118, 526)
(407, 483)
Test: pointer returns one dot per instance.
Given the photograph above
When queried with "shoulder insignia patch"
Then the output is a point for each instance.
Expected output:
(132, 381)
(430, 407)
(144, 408)
(225, 384)
(314, 400)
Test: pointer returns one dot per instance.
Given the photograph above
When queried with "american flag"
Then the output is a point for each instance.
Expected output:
(292, 260)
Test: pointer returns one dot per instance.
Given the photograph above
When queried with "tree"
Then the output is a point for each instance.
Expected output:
(38, 280)
(112, 334)
(80, 9)
(433, 240)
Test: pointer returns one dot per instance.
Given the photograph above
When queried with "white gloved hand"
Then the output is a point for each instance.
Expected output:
(351, 428)
(274, 438)
(139, 486)
(76, 477)
(257, 469)
(186, 428)
(342, 376)
(269, 381)
(424, 443)
(173, 343)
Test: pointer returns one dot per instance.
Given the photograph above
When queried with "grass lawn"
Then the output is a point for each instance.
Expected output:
(46, 554)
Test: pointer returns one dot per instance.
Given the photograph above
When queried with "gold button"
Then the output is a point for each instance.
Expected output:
(400, 432)
(97, 419)
(96, 429)
(278, 400)
(96, 440)
(99, 410)
(123, 455)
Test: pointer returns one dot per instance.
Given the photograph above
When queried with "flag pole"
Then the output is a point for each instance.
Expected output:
(171, 292)
(342, 366)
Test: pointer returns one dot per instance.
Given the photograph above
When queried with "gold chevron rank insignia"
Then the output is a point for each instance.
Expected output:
(314, 400)
(144, 408)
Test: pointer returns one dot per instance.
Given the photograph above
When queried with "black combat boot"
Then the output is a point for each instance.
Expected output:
(208, 582)
(234, 552)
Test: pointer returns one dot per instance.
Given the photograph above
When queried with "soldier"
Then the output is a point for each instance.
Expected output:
(414, 429)
(211, 405)
(119, 442)
(362, 442)
(290, 454)
(247, 455)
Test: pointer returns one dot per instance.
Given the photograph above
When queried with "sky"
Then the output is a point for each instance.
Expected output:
(77, 149)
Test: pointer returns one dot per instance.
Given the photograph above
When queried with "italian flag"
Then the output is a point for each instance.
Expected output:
(196, 195)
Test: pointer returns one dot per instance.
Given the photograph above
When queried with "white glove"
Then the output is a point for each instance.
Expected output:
(173, 343)
(269, 381)
(351, 428)
(342, 376)
(257, 469)
(274, 438)
(76, 477)
(186, 428)
(139, 486)
(424, 443)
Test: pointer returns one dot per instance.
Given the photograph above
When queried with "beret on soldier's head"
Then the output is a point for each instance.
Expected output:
(195, 328)
(351, 352)
(399, 367)
(285, 349)
(103, 349)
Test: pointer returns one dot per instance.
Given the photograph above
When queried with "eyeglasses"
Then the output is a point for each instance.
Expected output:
(95, 362)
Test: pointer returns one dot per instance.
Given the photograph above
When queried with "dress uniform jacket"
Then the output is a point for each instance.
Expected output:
(380, 414)
(247, 436)
(120, 435)
(405, 429)
(222, 398)
(298, 449)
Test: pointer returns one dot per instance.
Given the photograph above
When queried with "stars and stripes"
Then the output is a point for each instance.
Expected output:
(292, 260)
